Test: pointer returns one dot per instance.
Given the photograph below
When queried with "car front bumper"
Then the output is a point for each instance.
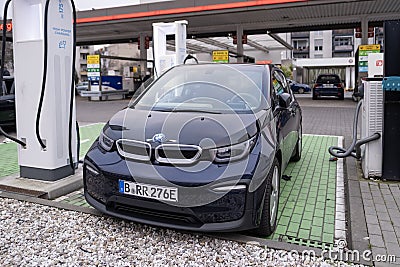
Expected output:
(236, 210)
(328, 92)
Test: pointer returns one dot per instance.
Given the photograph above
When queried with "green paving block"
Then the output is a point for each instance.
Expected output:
(284, 220)
(305, 224)
(290, 205)
(329, 228)
(302, 198)
(320, 205)
(301, 203)
(8, 159)
(293, 227)
(291, 234)
(327, 238)
(88, 134)
(312, 194)
(303, 233)
(287, 212)
(317, 221)
(296, 218)
(330, 203)
(314, 188)
(329, 218)
(281, 230)
(298, 210)
(329, 210)
(316, 231)
(308, 214)
(318, 213)
(310, 206)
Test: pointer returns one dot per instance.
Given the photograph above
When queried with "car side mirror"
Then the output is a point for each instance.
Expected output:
(284, 100)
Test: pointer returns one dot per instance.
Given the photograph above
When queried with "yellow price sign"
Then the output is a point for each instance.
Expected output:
(93, 59)
(370, 47)
(221, 56)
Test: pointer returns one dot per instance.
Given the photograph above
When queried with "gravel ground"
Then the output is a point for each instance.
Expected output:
(36, 235)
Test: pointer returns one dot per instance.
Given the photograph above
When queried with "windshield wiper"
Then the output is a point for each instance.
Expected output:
(187, 110)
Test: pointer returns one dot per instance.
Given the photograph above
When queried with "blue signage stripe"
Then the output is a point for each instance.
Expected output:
(121, 186)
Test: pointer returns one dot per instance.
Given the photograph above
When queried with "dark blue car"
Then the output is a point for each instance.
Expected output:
(202, 148)
(299, 88)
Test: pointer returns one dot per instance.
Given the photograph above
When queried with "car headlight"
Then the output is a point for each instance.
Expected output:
(234, 152)
(105, 142)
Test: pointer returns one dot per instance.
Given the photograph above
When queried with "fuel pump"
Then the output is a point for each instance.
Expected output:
(44, 58)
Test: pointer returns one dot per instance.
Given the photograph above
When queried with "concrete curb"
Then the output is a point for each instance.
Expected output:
(44, 189)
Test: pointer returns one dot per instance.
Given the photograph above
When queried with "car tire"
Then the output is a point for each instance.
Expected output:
(271, 202)
(314, 97)
(301, 91)
(299, 147)
(341, 97)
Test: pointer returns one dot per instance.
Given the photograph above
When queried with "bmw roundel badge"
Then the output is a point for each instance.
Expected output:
(159, 138)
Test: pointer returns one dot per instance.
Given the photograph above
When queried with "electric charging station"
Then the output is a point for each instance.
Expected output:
(164, 59)
(381, 113)
(44, 36)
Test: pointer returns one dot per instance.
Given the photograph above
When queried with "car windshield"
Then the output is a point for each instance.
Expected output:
(328, 79)
(212, 88)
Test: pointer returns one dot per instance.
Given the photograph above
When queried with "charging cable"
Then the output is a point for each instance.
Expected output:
(44, 80)
(355, 148)
(3, 55)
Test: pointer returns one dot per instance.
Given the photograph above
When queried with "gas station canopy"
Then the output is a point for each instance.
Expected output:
(210, 18)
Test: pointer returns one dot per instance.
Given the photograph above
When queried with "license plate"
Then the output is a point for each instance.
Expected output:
(149, 191)
(328, 85)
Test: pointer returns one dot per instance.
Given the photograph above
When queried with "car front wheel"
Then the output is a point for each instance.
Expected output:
(271, 201)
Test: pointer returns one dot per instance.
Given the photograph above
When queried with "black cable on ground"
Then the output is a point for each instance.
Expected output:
(78, 144)
(72, 93)
(355, 148)
(44, 78)
(3, 55)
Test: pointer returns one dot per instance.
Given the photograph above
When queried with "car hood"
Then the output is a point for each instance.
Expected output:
(189, 128)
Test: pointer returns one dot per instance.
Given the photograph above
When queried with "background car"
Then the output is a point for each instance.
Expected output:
(202, 148)
(82, 86)
(7, 102)
(299, 88)
(328, 85)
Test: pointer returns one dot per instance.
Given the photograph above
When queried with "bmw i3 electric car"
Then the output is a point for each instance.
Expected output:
(202, 148)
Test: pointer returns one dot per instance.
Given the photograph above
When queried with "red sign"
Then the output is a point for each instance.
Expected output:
(379, 63)
(9, 26)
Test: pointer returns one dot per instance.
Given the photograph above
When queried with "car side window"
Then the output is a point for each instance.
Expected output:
(278, 87)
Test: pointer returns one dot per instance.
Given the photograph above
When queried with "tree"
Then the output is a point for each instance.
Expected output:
(287, 70)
